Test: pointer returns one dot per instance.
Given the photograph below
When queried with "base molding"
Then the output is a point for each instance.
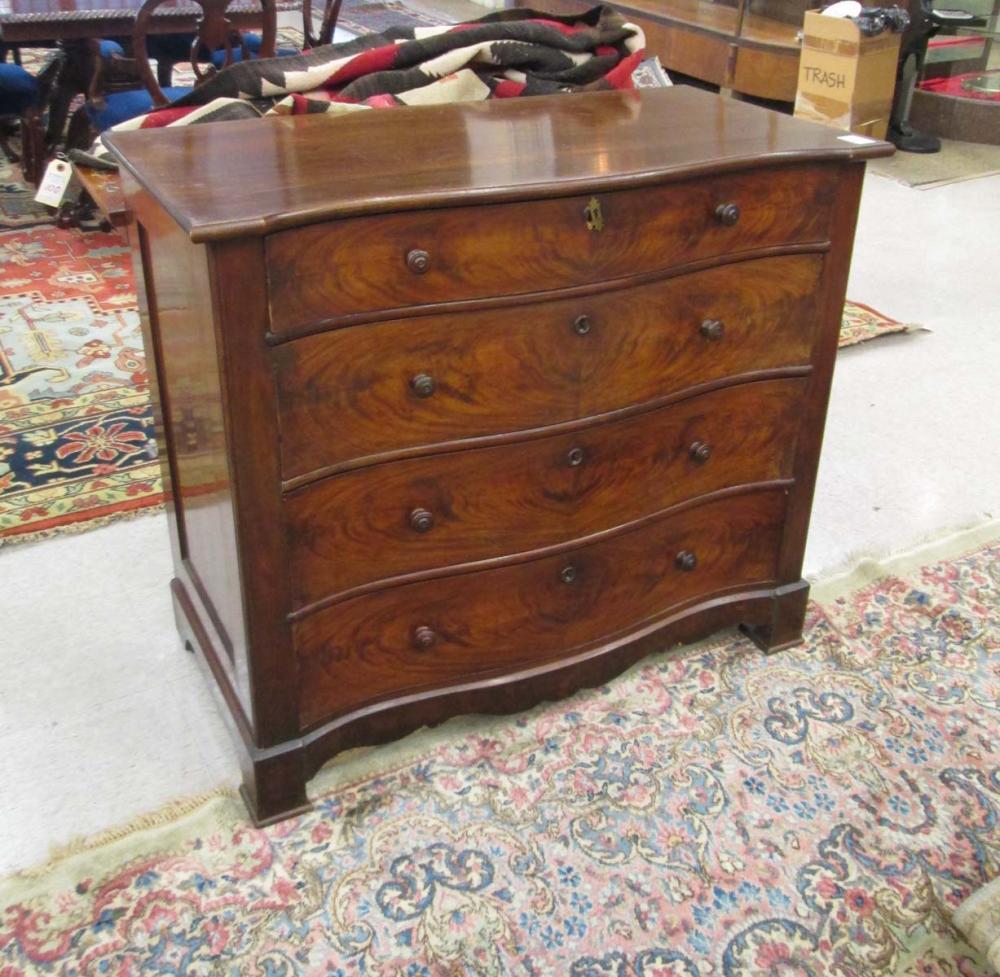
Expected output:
(274, 778)
(788, 612)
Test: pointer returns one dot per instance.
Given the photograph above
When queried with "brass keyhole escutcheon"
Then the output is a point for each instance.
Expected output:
(595, 218)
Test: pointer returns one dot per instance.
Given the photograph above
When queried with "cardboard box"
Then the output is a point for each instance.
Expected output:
(846, 80)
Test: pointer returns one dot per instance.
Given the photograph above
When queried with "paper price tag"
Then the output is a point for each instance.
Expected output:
(52, 189)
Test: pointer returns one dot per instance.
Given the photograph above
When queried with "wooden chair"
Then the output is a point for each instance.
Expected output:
(331, 12)
(24, 100)
(115, 73)
(124, 87)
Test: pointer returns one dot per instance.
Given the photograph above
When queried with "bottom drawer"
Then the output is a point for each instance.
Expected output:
(436, 633)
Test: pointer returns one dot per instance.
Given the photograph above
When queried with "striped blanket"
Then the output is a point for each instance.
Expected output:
(502, 55)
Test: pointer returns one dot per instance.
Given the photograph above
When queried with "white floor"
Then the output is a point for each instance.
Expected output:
(103, 716)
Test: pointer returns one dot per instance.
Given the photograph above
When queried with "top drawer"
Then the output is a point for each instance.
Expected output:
(373, 265)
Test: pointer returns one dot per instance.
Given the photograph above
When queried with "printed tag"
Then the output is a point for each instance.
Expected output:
(52, 189)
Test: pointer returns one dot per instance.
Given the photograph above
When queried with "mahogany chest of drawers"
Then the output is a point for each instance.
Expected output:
(466, 407)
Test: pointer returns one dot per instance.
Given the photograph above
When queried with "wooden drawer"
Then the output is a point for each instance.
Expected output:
(375, 265)
(427, 635)
(434, 512)
(348, 397)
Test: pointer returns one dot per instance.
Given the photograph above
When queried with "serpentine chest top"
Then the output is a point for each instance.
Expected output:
(464, 407)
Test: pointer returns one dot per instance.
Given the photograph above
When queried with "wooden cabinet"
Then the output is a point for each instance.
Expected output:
(441, 442)
(746, 46)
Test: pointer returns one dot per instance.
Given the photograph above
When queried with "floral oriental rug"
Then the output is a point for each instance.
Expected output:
(711, 813)
(76, 425)
(77, 447)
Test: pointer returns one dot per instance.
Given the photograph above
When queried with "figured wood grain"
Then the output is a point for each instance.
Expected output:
(362, 650)
(345, 396)
(358, 527)
(322, 273)
(306, 169)
(447, 399)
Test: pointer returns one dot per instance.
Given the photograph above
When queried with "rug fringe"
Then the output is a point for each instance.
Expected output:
(82, 526)
(861, 568)
(168, 815)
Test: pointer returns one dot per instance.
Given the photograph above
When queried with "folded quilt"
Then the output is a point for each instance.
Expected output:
(502, 55)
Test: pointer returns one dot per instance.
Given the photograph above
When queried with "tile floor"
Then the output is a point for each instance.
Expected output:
(103, 716)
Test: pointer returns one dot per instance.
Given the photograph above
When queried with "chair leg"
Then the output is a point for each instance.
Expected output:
(80, 134)
(164, 72)
(8, 149)
(32, 146)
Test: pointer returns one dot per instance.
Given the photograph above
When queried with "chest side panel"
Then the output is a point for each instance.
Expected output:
(182, 344)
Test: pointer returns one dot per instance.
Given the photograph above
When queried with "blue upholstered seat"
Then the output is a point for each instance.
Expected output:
(170, 48)
(122, 106)
(110, 46)
(18, 89)
(253, 42)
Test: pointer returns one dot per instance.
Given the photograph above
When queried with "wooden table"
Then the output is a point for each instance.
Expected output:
(734, 46)
(70, 23)
(41, 21)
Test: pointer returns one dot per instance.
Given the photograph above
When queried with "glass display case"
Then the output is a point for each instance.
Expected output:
(958, 93)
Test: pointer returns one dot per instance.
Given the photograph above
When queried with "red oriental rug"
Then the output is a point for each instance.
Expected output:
(862, 322)
(712, 813)
(76, 424)
(77, 447)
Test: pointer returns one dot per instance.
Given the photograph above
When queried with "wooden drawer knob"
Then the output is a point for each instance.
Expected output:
(418, 261)
(575, 457)
(568, 574)
(686, 560)
(424, 638)
(700, 452)
(727, 214)
(712, 329)
(423, 385)
(422, 520)
(581, 325)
